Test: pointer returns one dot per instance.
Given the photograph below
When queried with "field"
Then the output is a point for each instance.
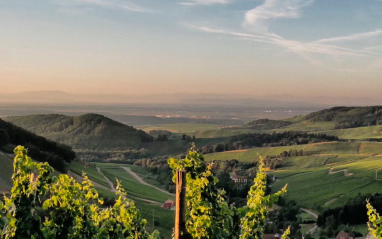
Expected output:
(188, 128)
(90, 171)
(249, 155)
(354, 166)
(311, 127)
(356, 133)
(132, 186)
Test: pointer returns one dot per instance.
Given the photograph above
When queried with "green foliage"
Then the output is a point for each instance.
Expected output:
(256, 211)
(208, 214)
(42, 206)
(375, 221)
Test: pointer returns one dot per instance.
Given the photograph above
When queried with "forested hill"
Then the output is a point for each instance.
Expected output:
(38, 147)
(349, 117)
(86, 132)
(264, 124)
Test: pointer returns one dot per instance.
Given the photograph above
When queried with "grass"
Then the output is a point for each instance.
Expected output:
(307, 126)
(309, 149)
(306, 216)
(356, 133)
(308, 178)
(311, 127)
(314, 187)
(183, 127)
(90, 171)
(132, 186)
(225, 132)
(145, 175)
(6, 171)
(164, 219)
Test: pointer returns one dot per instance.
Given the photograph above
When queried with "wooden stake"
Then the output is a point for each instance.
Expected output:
(180, 205)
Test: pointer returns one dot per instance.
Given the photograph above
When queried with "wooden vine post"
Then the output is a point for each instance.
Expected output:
(180, 205)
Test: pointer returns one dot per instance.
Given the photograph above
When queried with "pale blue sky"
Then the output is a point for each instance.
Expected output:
(253, 47)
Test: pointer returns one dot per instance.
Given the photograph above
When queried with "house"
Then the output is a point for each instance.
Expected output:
(239, 179)
(169, 204)
(345, 235)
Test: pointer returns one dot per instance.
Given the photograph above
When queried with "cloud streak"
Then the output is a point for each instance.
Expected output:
(274, 9)
(125, 6)
(291, 45)
(353, 37)
(204, 2)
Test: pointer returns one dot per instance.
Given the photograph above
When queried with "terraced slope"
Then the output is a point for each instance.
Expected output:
(326, 176)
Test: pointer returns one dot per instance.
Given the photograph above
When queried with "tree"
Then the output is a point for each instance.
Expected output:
(208, 214)
(375, 221)
(45, 206)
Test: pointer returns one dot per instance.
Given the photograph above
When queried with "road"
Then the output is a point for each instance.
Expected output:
(311, 231)
(113, 190)
(140, 180)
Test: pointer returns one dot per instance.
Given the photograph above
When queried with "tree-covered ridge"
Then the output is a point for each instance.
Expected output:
(39, 147)
(85, 132)
(349, 117)
(244, 141)
(264, 124)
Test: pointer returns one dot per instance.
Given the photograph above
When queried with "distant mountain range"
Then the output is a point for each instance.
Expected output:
(61, 97)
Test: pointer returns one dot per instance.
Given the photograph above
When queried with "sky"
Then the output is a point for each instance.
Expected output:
(303, 48)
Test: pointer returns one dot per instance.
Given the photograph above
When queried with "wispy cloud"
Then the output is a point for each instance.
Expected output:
(291, 45)
(121, 5)
(353, 37)
(274, 9)
(204, 2)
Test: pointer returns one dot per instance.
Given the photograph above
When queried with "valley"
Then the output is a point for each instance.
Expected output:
(325, 161)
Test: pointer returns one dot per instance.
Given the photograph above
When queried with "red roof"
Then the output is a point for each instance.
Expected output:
(168, 204)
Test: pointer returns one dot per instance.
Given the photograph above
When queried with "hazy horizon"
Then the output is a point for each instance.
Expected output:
(290, 49)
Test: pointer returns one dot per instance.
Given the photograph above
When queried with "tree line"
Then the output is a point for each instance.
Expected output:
(288, 138)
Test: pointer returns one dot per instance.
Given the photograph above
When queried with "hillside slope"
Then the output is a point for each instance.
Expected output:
(349, 117)
(38, 147)
(86, 132)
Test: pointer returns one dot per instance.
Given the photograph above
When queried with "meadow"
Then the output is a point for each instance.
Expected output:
(308, 178)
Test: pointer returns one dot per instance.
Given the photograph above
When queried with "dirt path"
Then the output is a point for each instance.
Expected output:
(310, 212)
(140, 180)
(79, 179)
(346, 173)
(311, 231)
(112, 188)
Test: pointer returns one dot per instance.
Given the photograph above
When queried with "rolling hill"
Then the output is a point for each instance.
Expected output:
(349, 117)
(92, 132)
